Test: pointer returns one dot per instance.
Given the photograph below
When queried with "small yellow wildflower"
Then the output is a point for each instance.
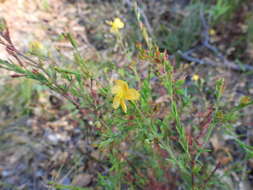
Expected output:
(35, 45)
(123, 93)
(195, 77)
(212, 32)
(220, 115)
(37, 48)
(245, 100)
(116, 25)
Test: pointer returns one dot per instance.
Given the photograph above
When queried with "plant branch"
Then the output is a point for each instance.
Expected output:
(130, 4)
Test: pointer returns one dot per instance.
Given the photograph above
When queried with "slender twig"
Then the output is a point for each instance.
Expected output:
(192, 173)
(130, 4)
(211, 175)
(15, 53)
(10, 48)
(207, 61)
(205, 43)
(206, 37)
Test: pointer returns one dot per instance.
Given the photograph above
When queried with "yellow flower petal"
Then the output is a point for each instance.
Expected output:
(37, 48)
(109, 22)
(123, 105)
(114, 30)
(116, 102)
(116, 89)
(118, 23)
(195, 77)
(122, 84)
(123, 93)
(212, 32)
(132, 94)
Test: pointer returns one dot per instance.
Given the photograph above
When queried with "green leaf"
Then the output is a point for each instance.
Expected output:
(73, 42)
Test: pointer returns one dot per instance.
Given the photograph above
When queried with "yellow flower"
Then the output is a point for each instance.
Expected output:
(245, 100)
(123, 93)
(116, 25)
(37, 48)
(195, 77)
(212, 32)
(35, 45)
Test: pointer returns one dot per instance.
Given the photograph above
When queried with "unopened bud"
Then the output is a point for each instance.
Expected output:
(3, 24)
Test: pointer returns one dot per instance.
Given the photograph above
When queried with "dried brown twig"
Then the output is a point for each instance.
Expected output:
(205, 43)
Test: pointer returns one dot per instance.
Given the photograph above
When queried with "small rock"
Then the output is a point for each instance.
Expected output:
(82, 146)
(52, 138)
(39, 173)
(6, 173)
(66, 181)
(96, 154)
(82, 180)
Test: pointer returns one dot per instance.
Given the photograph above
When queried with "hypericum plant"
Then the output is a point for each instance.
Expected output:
(152, 150)
(157, 144)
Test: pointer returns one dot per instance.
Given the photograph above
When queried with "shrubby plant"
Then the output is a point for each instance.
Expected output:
(155, 140)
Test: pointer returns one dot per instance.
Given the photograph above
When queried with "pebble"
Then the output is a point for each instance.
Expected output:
(82, 180)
